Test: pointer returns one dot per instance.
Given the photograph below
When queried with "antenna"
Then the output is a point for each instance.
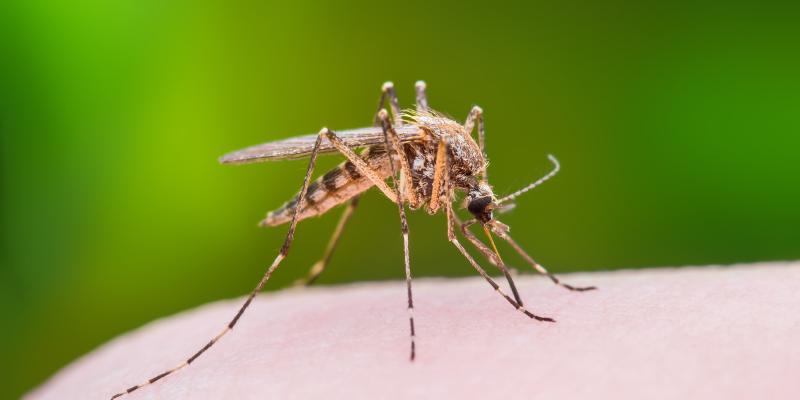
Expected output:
(556, 168)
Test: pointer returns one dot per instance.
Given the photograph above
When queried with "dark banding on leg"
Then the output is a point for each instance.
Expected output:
(393, 144)
(284, 251)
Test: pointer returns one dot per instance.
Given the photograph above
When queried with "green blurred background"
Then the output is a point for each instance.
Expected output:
(677, 127)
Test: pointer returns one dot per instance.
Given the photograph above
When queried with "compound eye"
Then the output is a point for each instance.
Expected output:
(479, 206)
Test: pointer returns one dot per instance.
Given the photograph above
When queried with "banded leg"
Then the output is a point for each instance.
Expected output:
(502, 231)
(491, 256)
(393, 145)
(422, 98)
(476, 115)
(454, 240)
(284, 251)
(320, 265)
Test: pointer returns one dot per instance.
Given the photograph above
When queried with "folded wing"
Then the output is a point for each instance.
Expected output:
(301, 146)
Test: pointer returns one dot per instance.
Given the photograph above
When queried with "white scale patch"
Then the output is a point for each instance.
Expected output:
(341, 180)
(419, 162)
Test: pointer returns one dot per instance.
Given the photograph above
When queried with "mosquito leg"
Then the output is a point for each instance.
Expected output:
(422, 98)
(367, 171)
(393, 145)
(284, 251)
(454, 240)
(440, 177)
(452, 220)
(406, 182)
(360, 165)
(489, 254)
(503, 233)
(476, 116)
(387, 90)
(320, 265)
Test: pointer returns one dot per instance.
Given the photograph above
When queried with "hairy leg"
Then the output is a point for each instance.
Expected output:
(440, 176)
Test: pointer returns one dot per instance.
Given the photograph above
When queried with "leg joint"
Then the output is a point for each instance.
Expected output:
(383, 115)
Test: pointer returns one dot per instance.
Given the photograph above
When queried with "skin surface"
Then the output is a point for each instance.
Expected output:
(686, 333)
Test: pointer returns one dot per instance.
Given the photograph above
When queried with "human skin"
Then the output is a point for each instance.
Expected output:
(670, 333)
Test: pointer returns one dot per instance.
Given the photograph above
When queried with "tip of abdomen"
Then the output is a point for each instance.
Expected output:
(270, 221)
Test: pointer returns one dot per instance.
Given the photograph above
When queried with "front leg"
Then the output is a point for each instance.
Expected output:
(454, 240)
(494, 258)
(502, 230)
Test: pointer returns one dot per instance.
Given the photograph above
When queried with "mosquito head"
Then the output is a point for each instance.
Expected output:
(481, 202)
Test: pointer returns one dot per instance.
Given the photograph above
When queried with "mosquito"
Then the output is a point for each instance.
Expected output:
(427, 157)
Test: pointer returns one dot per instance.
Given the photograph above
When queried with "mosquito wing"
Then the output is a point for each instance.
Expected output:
(301, 146)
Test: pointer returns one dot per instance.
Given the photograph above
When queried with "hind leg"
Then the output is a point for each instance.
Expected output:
(318, 267)
(284, 251)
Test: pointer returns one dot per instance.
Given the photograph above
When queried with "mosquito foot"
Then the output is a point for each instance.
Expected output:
(579, 289)
(536, 317)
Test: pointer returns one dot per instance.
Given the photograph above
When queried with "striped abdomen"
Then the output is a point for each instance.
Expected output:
(335, 187)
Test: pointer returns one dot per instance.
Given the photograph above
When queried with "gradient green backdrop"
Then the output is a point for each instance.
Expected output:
(677, 128)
